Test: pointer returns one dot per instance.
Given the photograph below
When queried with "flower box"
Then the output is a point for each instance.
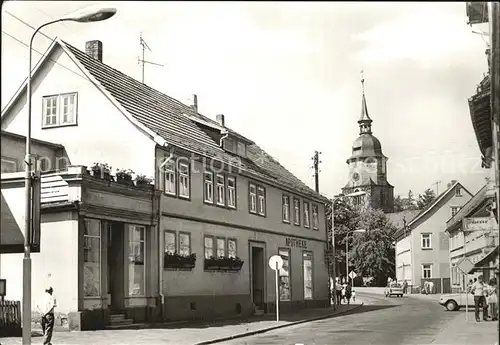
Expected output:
(124, 177)
(223, 264)
(142, 181)
(176, 260)
(102, 171)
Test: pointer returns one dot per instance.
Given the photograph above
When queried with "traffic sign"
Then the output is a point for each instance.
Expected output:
(352, 275)
(464, 265)
(275, 262)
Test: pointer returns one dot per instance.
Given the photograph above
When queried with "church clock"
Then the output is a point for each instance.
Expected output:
(355, 176)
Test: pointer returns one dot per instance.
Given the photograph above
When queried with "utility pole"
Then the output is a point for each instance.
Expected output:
(316, 161)
(145, 46)
(437, 187)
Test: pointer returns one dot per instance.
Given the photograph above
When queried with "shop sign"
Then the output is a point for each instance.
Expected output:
(296, 243)
(478, 224)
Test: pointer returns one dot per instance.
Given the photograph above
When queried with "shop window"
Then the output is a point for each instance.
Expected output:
(284, 275)
(92, 258)
(137, 265)
(307, 260)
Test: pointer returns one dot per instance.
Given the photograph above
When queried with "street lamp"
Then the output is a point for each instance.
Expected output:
(347, 251)
(86, 16)
(360, 193)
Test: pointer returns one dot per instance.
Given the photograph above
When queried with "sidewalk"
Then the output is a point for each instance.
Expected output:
(460, 332)
(190, 334)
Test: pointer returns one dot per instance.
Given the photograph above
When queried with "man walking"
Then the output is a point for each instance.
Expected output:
(478, 289)
(338, 291)
(48, 306)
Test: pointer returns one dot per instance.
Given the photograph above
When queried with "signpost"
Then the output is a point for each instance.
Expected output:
(465, 266)
(352, 275)
(276, 263)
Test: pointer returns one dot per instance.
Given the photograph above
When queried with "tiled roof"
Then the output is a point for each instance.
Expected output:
(164, 116)
(398, 218)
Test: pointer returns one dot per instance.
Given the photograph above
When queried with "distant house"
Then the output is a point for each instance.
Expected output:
(422, 252)
(473, 233)
(127, 252)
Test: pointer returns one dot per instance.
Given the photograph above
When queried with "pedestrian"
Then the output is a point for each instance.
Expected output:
(431, 287)
(338, 291)
(343, 292)
(478, 289)
(405, 287)
(348, 291)
(492, 299)
(47, 309)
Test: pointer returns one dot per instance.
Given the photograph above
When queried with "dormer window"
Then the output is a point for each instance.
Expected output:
(229, 144)
(235, 146)
(242, 149)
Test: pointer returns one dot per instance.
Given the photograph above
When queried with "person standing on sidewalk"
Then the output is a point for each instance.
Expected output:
(405, 287)
(338, 291)
(348, 291)
(493, 299)
(48, 315)
(478, 289)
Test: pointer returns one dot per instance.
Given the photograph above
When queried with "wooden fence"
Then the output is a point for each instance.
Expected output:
(10, 318)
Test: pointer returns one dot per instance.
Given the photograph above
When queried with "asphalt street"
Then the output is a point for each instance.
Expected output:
(381, 321)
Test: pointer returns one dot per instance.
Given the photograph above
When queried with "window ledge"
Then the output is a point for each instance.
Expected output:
(59, 126)
(426, 249)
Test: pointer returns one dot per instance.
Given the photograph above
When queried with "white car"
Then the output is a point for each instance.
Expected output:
(394, 290)
(455, 301)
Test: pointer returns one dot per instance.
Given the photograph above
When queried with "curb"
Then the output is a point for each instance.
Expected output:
(242, 335)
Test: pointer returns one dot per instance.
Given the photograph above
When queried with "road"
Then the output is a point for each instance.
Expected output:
(384, 321)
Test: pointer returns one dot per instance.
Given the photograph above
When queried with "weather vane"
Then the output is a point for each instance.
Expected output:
(362, 81)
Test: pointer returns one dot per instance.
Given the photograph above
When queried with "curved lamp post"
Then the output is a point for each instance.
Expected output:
(86, 16)
(333, 237)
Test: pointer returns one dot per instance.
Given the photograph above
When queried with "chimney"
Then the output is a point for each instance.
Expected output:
(195, 103)
(220, 119)
(94, 49)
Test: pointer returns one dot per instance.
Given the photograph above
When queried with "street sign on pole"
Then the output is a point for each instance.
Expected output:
(465, 265)
(276, 263)
(352, 275)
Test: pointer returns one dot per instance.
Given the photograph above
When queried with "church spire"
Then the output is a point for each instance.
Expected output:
(365, 123)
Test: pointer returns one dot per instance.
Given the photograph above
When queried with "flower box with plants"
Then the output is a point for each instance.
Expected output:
(176, 260)
(124, 176)
(225, 263)
(143, 181)
(102, 170)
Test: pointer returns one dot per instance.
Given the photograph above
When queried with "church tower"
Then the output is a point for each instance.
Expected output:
(368, 166)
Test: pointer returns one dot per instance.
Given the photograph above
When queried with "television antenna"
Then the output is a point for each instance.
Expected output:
(145, 46)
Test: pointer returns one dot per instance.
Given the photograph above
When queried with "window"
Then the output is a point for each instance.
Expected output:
(296, 211)
(59, 110)
(284, 275)
(308, 274)
(382, 198)
(315, 218)
(208, 187)
(92, 258)
(454, 210)
(209, 247)
(286, 208)
(455, 275)
(136, 255)
(221, 247)
(183, 180)
(426, 271)
(184, 243)
(306, 214)
(229, 144)
(242, 150)
(262, 200)
(231, 191)
(358, 200)
(170, 242)
(170, 178)
(9, 165)
(426, 241)
(221, 200)
(253, 198)
(458, 191)
(231, 248)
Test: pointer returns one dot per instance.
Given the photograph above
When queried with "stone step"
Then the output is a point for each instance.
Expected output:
(258, 311)
(121, 322)
(117, 316)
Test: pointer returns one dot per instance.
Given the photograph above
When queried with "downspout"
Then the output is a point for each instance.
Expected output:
(225, 134)
(157, 196)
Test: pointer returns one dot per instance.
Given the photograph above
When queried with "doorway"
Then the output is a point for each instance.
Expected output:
(115, 275)
(258, 276)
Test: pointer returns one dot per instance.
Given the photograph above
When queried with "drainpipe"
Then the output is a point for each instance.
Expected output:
(158, 229)
(225, 134)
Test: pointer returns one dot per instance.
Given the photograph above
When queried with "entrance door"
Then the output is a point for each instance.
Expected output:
(116, 265)
(258, 272)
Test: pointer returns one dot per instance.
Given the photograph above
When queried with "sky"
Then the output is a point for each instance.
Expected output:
(287, 75)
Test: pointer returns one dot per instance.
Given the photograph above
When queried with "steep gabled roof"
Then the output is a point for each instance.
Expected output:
(164, 117)
(430, 207)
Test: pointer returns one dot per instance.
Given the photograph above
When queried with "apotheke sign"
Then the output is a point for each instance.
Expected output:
(478, 224)
(294, 242)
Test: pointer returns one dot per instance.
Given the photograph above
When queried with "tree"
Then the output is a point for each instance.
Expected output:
(424, 200)
(372, 253)
(398, 204)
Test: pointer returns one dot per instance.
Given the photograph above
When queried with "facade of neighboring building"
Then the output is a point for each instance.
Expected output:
(368, 167)
(422, 252)
(473, 233)
(220, 195)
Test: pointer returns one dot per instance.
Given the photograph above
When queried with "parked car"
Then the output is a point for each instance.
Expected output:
(455, 301)
(394, 290)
